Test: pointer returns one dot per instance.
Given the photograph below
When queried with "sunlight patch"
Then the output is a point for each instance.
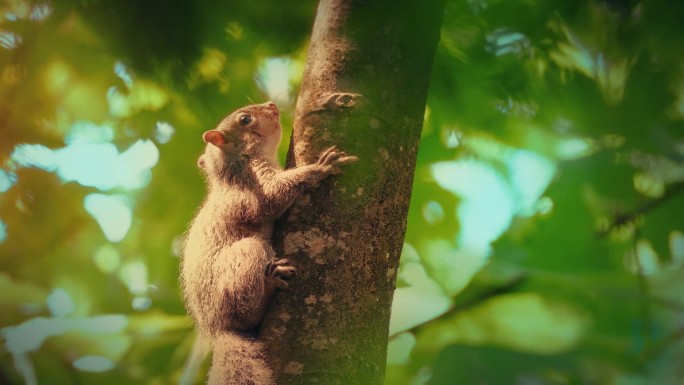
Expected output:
(134, 275)
(7, 179)
(574, 148)
(491, 199)
(420, 299)
(163, 132)
(107, 258)
(494, 188)
(95, 364)
(530, 175)
(21, 10)
(92, 164)
(59, 303)
(30, 335)
(141, 303)
(33, 155)
(9, 40)
(677, 248)
(646, 258)
(487, 206)
(399, 349)
(504, 41)
(453, 139)
(89, 132)
(433, 213)
(273, 77)
(3, 231)
(112, 212)
(121, 71)
(40, 12)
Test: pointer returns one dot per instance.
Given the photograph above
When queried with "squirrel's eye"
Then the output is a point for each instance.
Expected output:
(246, 119)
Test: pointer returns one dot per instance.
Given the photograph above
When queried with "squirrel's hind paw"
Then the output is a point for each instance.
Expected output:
(279, 270)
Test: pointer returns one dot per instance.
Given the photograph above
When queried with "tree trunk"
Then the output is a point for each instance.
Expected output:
(364, 89)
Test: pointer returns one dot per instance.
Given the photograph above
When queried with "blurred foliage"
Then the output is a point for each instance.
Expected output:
(545, 241)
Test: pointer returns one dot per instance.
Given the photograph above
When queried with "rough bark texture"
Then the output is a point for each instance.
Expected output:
(364, 89)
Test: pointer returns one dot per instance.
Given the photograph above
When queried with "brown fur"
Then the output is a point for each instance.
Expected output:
(228, 270)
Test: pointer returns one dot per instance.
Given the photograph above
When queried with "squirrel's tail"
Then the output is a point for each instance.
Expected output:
(239, 360)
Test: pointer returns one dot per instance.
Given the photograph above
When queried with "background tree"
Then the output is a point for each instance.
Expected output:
(544, 238)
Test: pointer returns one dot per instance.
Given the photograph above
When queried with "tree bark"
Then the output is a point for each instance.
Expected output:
(364, 89)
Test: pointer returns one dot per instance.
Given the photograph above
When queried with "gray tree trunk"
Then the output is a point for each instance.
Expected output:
(364, 89)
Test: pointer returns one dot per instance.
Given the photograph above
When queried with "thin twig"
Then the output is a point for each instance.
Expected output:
(624, 218)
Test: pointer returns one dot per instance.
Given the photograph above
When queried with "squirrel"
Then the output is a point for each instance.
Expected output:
(229, 271)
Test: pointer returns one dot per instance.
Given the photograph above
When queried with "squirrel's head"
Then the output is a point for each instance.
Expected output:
(251, 131)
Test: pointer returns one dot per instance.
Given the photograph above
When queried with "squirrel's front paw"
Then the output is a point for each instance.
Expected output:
(332, 158)
(279, 270)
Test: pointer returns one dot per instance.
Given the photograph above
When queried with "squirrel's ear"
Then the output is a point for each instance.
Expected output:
(214, 137)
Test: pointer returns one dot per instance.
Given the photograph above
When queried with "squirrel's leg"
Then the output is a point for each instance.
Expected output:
(250, 279)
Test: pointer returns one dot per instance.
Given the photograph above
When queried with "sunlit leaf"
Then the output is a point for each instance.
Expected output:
(526, 322)
(399, 348)
(112, 213)
(487, 206)
(420, 301)
(649, 185)
(210, 68)
(449, 266)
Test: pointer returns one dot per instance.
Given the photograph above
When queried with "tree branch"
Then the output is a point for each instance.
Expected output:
(621, 219)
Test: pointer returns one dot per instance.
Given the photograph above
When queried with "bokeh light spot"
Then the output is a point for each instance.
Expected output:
(121, 71)
(647, 258)
(574, 148)
(92, 164)
(89, 132)
(107, 258)
(163, 132)
(33, 155)
(141, 303)
(112, 212)
(677, 248)
(487, 206)
(40, 12)
(433, 213)
(3, 231)
(134, 275)
(95, 364)
(274, 76)
(399, 349)
(9, 40)
(7, 179)
(59, 303)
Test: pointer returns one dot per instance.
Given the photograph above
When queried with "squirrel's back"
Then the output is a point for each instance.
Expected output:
(226, 246)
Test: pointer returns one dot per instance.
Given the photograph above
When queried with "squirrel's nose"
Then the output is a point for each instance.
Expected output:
(272, 106)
